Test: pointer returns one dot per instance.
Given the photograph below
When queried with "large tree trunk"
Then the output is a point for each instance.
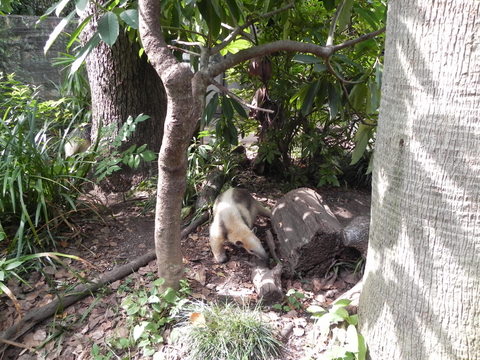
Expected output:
(123, 84)
(421, 290)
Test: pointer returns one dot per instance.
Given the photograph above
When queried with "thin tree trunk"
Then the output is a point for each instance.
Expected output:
(184, 105)
(421, 294)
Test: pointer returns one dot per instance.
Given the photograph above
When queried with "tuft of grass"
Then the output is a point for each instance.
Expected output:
(226, 332)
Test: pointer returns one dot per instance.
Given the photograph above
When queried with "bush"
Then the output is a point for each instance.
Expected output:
(226, 332)
(38, 186)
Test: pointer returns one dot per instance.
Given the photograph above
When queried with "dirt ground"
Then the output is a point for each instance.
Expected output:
(125, 231)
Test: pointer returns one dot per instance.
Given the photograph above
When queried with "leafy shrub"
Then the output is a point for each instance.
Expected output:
(226, 332)
(336, 328)
(38, 186)
(150, 312)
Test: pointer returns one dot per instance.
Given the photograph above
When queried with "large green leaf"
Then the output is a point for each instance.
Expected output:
(334, 100)
(362, 137)
(83, 53)
(345, 14)
(236, 46)
(211, 17)
(60, 6)
(77, 32)
(358, 96)
(329, 4)
(130, 17)
(235, 11)
(310, 97)
(57, 31)
(108, 28)
(80, 5)
(307, 59)
(368, 16)
(239, 108)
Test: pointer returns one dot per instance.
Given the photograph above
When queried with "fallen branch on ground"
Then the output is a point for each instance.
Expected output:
(81, 291)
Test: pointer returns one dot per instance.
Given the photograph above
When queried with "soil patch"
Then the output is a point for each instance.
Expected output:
(124, 232)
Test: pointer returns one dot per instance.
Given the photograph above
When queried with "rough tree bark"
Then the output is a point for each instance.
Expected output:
(185, 97)
(422, 282)
(123, 84)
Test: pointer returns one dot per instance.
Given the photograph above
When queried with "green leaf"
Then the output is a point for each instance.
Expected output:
(108, 28)
(77, 32)
(60, 6)
(130, 17)
(342, 303)
(362, 348)
(239, 108)
(133, 309)
(342, 312)
(310, 97)
(334, 101)
(148, 155)
(236, 46)
(210, 16)
(351, 339)
(306, 59)
(159, 282)
(329, 4)
(138, 330)
(358, 96)
(345, 14)
(367, 16)
(169, 295)
(373, 97)
(227, 108)
(353, 319)
(234, 10)
(80, 5)
(57, 31)
(315, 309)
(13, 265)
(210, 109)
(362, 137)
(83, 53)
(319, 68)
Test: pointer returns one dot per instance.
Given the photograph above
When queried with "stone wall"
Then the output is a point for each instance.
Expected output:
(21, 51)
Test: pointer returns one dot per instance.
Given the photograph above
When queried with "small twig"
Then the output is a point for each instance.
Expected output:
(187, 43)
(17, 344)
(173, 47)
(224, 90)
(333, 25)
(352, 42)
(243, 33)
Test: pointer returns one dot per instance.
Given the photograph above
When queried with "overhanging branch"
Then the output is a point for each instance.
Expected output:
(323, 52)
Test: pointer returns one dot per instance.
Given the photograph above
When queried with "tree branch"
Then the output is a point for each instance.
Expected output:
(323, 52)
(281, 45)
(152, 37)
(176, 48)
(352, 42)
(250, 22)
(225, 90)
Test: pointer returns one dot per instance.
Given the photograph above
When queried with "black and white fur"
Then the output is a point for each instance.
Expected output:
(234, 213)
